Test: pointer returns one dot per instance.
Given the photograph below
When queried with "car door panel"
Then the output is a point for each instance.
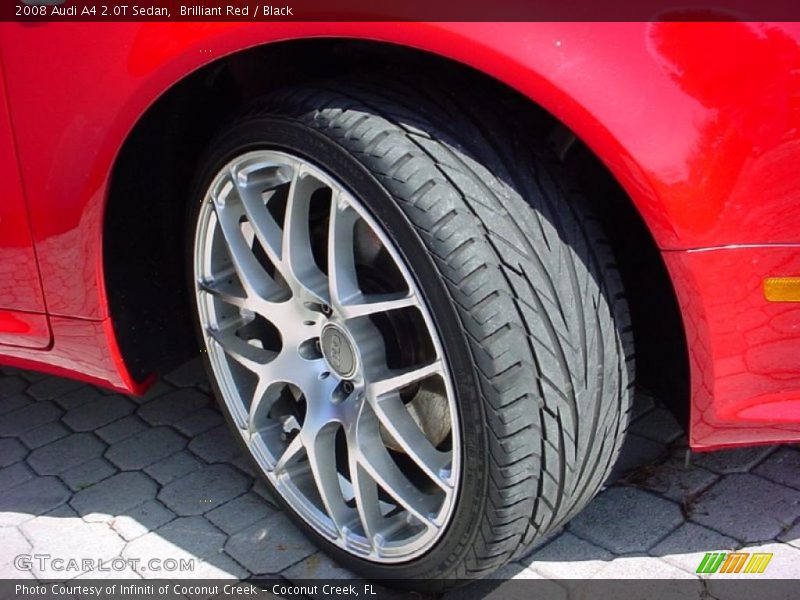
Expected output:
(22, 309)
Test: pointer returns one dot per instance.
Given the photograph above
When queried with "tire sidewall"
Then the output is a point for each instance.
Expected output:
(283, 134)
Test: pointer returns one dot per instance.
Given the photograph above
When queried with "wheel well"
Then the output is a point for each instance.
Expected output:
(144, 229)
(662, 358)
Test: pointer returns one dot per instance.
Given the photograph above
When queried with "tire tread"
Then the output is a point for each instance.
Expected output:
(536, 287)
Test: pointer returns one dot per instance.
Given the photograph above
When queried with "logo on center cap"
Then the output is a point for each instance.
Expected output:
(338, 351)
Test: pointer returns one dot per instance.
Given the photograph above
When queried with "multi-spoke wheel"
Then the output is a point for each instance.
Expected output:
(418, 337)
(327, 357)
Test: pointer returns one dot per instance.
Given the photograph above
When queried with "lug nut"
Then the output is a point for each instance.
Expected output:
(348, 387)
(326, 310)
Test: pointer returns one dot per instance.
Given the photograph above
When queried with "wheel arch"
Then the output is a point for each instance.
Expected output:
(149, 186)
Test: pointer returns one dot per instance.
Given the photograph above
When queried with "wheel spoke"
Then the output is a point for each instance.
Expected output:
(258, 403)
(341, 252)
(254, 280)
(396, 419)
(321, 454)
(365, 495)
(293, 450)
(373, 457)
(265, 227)
(250, 357)
(286, 367)
(394, 380)
(298, 258)
(224, 294)
(369, 304)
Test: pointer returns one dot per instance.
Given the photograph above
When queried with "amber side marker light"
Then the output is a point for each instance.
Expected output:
(782, 289)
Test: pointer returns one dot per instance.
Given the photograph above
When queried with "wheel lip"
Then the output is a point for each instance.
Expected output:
(217, 362)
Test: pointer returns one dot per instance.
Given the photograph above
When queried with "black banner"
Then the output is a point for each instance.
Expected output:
(741, 588)
(398, 10)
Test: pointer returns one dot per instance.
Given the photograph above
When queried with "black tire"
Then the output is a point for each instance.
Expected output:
(522, 284)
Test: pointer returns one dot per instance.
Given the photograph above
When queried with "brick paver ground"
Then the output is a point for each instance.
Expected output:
(89, 473)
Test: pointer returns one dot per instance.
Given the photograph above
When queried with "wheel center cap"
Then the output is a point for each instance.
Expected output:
(338, 350)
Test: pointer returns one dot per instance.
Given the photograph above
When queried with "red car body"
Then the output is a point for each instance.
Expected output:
(699, 123)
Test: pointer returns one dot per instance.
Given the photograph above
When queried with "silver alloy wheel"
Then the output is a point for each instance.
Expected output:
(327, 357)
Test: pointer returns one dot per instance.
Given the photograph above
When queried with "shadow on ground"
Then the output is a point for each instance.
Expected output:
(90, 474)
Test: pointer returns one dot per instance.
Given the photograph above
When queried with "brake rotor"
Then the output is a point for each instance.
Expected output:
(430, 412)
